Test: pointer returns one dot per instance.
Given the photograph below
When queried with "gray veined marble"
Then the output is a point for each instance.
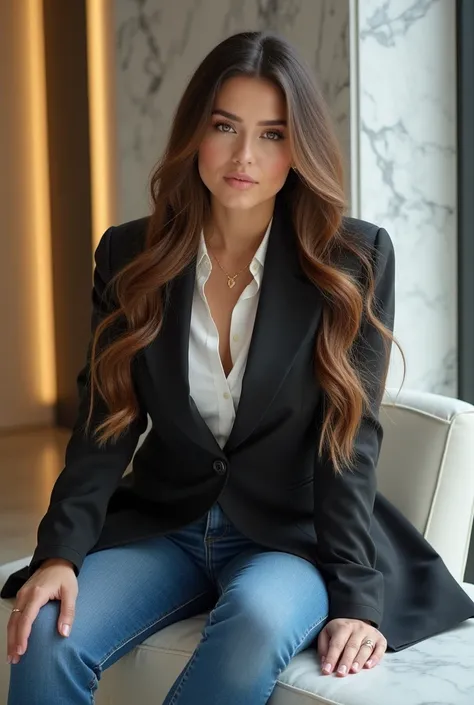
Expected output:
(387, 20)
(406, 78)
(437, 671)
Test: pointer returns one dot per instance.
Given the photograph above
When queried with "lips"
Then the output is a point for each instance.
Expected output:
(240, 177)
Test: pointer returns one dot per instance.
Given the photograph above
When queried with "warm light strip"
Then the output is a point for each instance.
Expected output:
(101, 79)
(38, 193)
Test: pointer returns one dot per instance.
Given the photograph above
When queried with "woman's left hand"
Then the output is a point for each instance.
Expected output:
(343, 639)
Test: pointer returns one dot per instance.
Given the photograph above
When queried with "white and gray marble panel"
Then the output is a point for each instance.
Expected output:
(407, 173)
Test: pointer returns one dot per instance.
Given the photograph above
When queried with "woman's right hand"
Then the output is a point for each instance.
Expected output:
(55, 579)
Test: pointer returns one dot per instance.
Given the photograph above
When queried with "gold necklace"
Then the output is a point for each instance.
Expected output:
(231, 280)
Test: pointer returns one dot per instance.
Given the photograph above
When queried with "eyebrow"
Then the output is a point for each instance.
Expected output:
(236, 118)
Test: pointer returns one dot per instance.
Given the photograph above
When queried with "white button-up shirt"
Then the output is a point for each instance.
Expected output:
(215, 395)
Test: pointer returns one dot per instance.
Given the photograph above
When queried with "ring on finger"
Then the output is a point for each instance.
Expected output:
(360, 659)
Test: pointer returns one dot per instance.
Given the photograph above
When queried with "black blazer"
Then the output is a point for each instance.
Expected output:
(267, 478)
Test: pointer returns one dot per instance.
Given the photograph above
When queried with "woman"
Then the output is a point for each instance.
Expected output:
(252, 322)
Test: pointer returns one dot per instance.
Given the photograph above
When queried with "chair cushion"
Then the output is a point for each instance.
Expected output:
(437, 670)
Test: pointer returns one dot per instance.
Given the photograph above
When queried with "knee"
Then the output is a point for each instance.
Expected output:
(52, 663)
(250, 644)
(267, 619)
(44, 634)
(266, 634)
(46, 646)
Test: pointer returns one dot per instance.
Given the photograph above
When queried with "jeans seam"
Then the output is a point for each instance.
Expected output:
(144, 629)
(184, 677)
(313, 626)
(212, 539)
(208, 549)
(93, 685)
(310, 629)
(208, 545)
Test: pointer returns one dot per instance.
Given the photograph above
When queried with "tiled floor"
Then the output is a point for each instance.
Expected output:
(30, 461)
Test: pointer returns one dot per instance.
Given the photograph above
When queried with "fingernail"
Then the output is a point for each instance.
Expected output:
(355, 666)
(20, 650)
(342, 670)
(327, 668)
(65, 628)
(9, 659)
(369, 662)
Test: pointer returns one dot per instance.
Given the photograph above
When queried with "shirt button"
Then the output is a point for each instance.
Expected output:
(235, 338)
(253, 268)
(219, 466)
(226, 395)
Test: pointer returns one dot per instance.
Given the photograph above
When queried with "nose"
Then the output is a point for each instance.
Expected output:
(243, 153)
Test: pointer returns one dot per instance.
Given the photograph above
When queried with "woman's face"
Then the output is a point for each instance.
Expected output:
(247, 134)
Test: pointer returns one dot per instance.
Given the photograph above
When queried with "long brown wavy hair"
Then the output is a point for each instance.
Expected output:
(181, 205)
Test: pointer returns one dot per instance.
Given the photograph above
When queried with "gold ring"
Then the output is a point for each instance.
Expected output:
(368, 642)
(15, 609)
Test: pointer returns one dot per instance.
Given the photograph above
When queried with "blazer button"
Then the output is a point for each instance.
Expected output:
(219, 466)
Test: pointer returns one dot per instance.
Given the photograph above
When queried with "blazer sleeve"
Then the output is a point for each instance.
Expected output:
(344, 503)
(79, 499)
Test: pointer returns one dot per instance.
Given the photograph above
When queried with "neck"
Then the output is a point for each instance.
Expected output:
(237, 232)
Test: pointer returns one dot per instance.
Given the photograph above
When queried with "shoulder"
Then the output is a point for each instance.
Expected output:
(370, 239)
(368, 233)
(126, 241)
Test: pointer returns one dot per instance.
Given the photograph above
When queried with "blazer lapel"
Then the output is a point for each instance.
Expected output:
(168, 363)
(289, 309)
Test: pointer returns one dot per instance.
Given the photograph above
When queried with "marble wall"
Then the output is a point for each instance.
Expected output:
(160, 44)
(405, 81)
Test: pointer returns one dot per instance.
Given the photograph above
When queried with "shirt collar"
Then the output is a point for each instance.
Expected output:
(202, 251)
(259, 257)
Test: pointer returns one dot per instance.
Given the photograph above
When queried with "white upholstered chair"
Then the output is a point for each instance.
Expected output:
(426, 469)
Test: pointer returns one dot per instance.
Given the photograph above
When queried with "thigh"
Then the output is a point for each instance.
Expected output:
(282, 598)
(126, 594)
(271, 606)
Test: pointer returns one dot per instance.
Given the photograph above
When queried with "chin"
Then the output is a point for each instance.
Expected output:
(237, 200)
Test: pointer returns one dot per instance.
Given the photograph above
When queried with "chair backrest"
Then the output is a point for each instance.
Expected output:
(426, 468)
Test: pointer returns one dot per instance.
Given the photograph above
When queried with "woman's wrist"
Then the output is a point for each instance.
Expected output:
(56, 561)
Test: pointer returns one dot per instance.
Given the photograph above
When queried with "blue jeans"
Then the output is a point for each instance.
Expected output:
(265, 607)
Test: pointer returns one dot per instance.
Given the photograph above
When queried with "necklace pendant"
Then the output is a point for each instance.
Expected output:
(230, 282)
